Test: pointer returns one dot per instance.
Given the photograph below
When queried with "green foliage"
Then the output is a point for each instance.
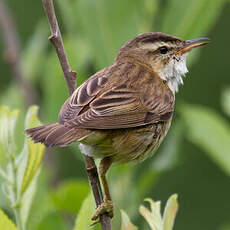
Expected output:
(7, 121)
(170, 212)
(68, 15)
(193, 18)
(23, 169)
(13, 97)
(126, 224)
(43, 208)
(83, 220)
(33, 153)
(69, 195)
(226, 101)
(209, 131)
(225, 227)
(52, 221)
(107, 37)
(93, 31)
(153, 216)
(34, 54)
(5, 222)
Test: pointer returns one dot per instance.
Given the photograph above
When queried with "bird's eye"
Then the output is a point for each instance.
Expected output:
(163, 49)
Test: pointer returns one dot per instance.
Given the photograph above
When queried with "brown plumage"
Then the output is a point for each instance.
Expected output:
(123, 112)
(108, 103)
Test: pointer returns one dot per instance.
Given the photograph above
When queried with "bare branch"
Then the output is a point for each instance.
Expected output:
(70, 77)
(12, 52)
(56, 40)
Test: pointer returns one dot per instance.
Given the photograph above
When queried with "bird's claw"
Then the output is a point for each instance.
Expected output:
(105, 207)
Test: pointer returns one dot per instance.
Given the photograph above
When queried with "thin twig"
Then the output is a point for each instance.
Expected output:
(70, 77)
(56, 40)
(12, 52)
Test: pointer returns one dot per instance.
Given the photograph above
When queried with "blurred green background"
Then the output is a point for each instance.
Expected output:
(193, 161)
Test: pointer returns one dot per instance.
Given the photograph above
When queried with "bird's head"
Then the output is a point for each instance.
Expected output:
(166, 54)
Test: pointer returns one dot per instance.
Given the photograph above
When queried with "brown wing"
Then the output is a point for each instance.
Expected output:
(123, 104)
(81, 97)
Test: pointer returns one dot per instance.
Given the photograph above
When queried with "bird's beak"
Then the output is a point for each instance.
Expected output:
(190, 44)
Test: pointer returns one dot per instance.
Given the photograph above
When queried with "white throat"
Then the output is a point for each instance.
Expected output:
(173, 72)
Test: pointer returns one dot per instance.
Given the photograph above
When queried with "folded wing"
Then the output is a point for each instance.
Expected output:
(97, 106)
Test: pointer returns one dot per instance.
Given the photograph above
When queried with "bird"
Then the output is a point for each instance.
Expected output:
(123, 112)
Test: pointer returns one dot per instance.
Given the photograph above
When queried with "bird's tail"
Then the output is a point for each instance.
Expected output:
(56, 134)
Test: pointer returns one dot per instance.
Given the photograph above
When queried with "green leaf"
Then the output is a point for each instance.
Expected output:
(68, 196)
(79, 56)
(209, 131)
(7, 125)
(28, 164)
(3, 174)
(170, 212)
(27, 198)
(102, 29)
(5, 222)
(225, 227)
(34, 53)
(152, 216)
(32, 117)
(42, 207)
(68, 15)
(193, 18)
(52, 75)
(83, 220)
(33, 153)
(13, 97)
(52, 221)
(126, 224)
(225, 100)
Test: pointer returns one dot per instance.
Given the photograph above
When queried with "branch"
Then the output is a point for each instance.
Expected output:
(56, 40)
(70, 77)
(97, 192)
(12, 52)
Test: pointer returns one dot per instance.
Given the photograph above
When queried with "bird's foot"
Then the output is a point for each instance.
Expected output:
(105, 207)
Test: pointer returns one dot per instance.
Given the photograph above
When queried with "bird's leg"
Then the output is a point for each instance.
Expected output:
(107, 205)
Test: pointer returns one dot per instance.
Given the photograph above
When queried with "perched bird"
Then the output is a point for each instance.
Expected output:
(123, 112)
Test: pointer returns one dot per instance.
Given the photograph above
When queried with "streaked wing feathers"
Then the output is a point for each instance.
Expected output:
(95, 105)
(91, 120)
(115, 101)
(81, 97)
